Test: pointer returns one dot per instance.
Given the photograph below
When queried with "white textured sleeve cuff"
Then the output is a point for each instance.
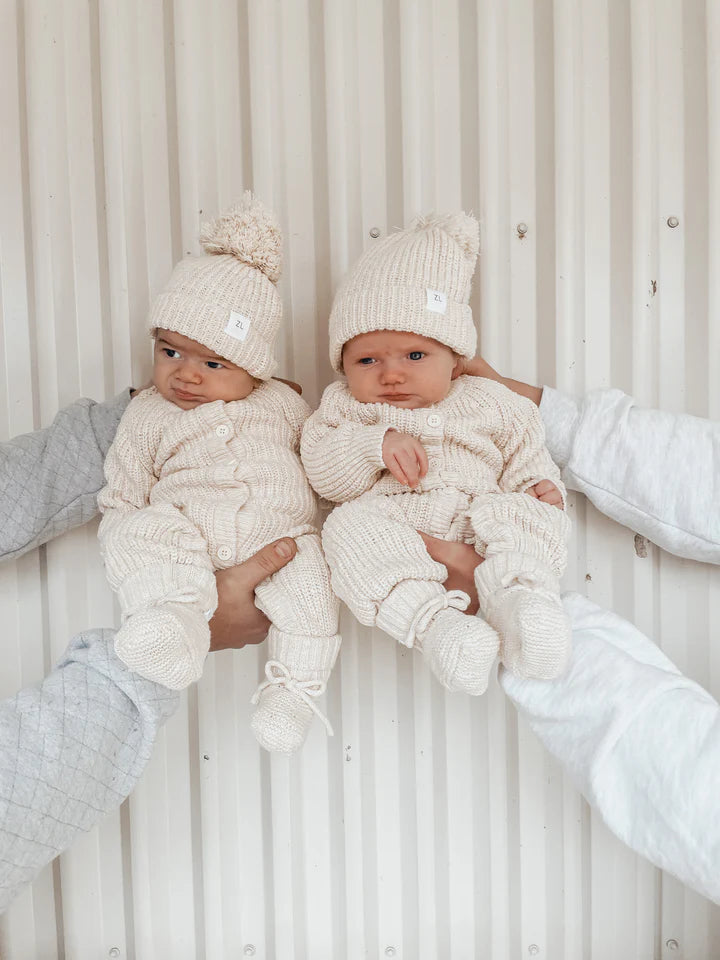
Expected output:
(561, 416)
(368, 447)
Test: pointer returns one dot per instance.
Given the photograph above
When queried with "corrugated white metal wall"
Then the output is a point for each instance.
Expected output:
(430, 826)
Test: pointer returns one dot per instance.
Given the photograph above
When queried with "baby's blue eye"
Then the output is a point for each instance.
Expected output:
(366, 360)
(416, 355)
(173, 354)
(214, 365)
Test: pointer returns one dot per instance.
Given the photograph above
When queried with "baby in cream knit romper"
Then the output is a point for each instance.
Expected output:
(205, 470)
(405, 444)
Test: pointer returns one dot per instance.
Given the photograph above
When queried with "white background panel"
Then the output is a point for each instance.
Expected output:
(430, 826)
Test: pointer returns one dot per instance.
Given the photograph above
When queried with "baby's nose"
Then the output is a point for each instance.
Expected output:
(189, 373)
(392, 374)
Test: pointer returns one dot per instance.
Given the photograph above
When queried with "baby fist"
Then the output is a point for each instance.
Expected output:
(405, 457)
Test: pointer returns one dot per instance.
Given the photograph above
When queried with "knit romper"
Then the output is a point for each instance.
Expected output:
(485, 447)
(193, 491)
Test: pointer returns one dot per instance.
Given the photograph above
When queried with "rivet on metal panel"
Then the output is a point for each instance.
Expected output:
(114, 952)
(522, 229)
(533, 949)
(641, 546)
(390, 951)
(375, 232)
(672, 221)
(672, 944)
(249, 950)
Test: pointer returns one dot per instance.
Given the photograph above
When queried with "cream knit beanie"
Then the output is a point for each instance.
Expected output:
(227, 299)
(415, 280)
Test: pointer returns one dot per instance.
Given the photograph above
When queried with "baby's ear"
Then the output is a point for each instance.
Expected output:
(458, 369)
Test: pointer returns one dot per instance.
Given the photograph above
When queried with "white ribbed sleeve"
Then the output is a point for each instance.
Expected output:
(522, 445)
(342, 459)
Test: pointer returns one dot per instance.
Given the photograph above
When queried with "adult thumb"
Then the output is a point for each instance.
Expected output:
(267, 561)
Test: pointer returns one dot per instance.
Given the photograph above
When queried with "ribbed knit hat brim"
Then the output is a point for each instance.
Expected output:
(416, 280)
(227, 299)
(401, 309)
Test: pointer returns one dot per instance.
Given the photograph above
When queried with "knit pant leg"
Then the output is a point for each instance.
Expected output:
(521, 538)
(303, 644)
(525, 546)
(371, 548)
(158, 563)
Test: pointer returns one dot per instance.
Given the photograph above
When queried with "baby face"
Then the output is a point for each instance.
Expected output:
(187, 374)
(402, 369)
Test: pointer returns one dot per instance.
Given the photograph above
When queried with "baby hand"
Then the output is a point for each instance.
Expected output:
(546, 491)
(405, 457)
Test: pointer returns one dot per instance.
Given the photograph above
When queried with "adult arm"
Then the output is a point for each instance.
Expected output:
(657, 473)
(49, 479)
(74, 747)
(640, 740)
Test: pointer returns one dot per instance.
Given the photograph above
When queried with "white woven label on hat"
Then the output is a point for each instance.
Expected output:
(238, 326)
(436, 301)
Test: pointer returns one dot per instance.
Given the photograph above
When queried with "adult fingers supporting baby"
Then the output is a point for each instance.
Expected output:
(547, 492)
(460, 561)
(237, 621)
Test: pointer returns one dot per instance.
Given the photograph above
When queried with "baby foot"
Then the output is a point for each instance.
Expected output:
(535, 630)
(281, 721)
(167, 644)
(285, 709)
(460, 650)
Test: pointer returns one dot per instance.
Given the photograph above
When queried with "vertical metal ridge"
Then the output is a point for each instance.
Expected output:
(431, 824)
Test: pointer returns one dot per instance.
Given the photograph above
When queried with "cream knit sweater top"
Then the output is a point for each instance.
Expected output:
(232, 468)
(482, 438)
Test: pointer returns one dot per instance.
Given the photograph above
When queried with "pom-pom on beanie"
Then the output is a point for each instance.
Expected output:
(415, 280)
(227, 299)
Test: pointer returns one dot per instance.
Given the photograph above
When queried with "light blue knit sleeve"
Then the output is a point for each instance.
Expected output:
(71, 750)
(49, 479)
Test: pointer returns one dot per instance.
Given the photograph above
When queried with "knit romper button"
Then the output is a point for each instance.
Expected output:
(223, 430)
(434, 420)
(224, 553)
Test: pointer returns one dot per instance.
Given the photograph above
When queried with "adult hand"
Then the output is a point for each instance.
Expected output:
(291, 383)
(546, 491)
(478, 367)
(237, 621)
(405, 457)
(461, 560)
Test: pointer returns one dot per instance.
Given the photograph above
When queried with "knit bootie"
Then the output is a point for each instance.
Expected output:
(167, 644)
(459, 649)
(296, 675)
(535, 631)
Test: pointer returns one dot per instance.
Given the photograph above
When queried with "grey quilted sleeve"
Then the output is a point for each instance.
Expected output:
(71, 750)
(49, 479)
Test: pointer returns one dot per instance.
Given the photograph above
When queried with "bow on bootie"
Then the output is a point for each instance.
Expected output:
(278, 675)
(452, 598)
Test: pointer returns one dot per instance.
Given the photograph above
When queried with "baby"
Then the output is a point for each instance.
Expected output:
(407, 443)
(205, 470)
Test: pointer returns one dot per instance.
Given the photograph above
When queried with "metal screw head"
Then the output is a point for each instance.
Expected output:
(249, 950)
(533, 949)
(390, 951)
(672, 221)
(522, 229)
(375, 232)
(114, 952)
(672, 944)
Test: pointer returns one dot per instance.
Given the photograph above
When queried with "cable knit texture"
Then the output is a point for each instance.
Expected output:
(485, 448)
(415, 280)
(227, 299)
(190, 492)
